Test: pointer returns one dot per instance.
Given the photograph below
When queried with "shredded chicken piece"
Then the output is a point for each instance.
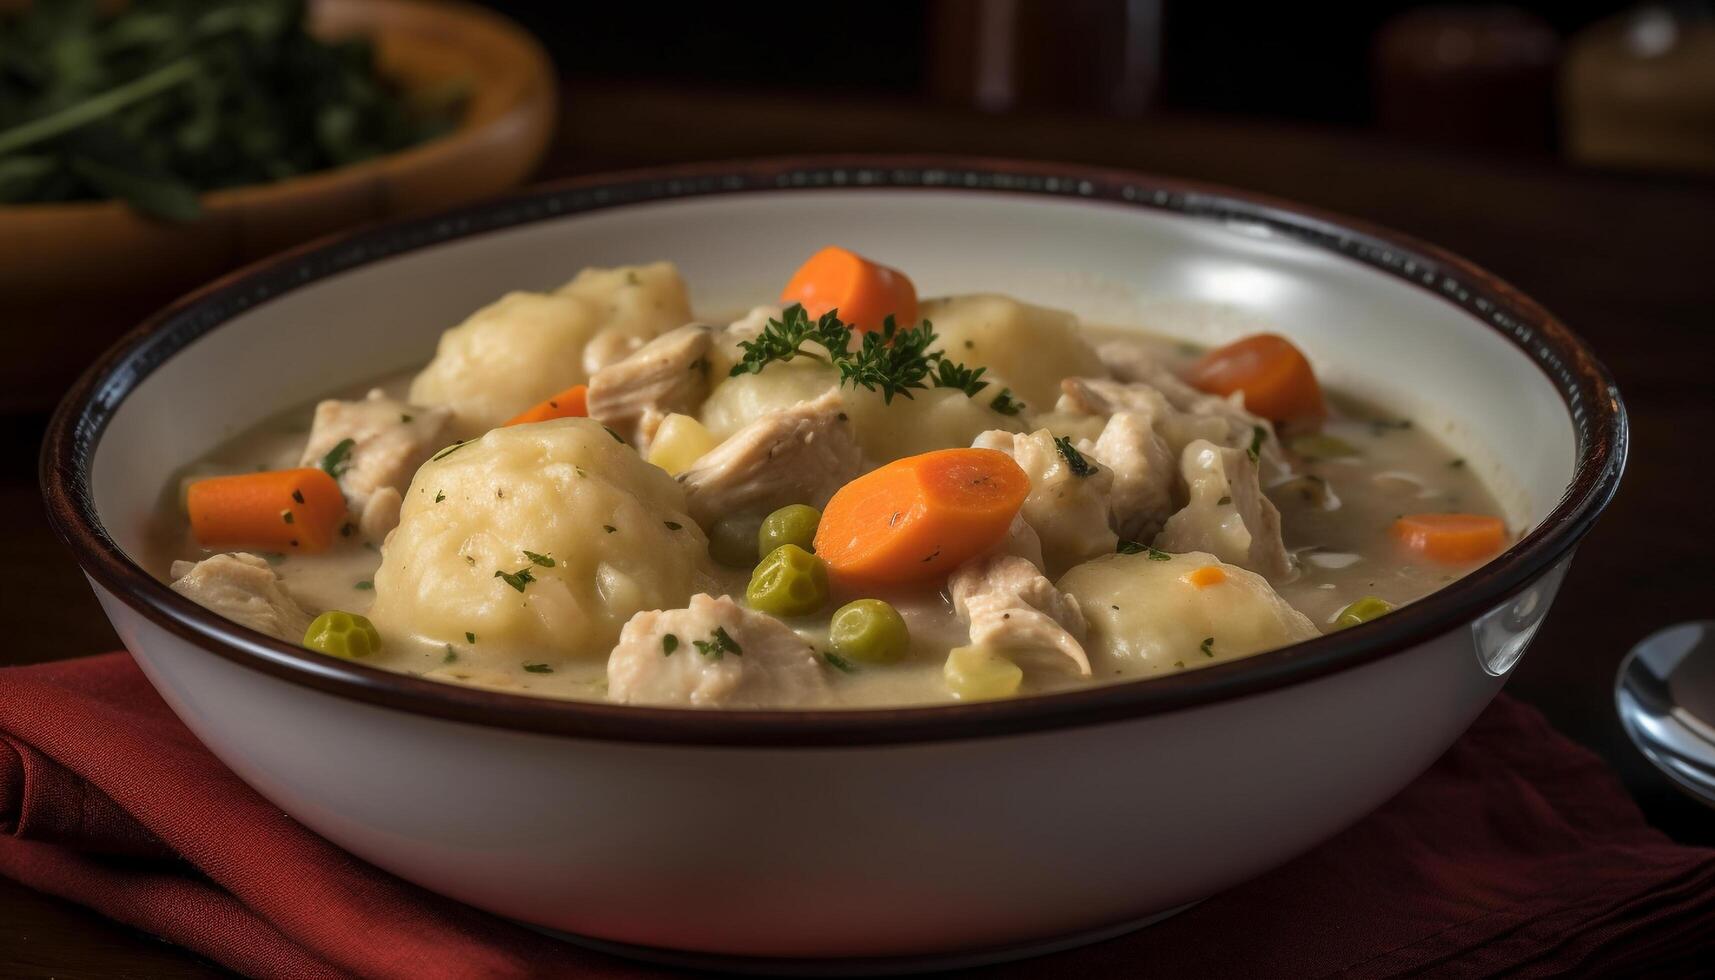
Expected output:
(1010, 606)
(1067, 508)
(1227, 514)
(1199, 415)
(390, 439)
(243, 588)
(669, 374)
(714, 654)
(1132, 446)
(799, 455)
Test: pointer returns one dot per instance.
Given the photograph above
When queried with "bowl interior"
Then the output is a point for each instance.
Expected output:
(1397, 345)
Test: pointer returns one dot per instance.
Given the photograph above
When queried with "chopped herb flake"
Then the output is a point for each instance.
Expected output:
(1005, 404)
(469, 637)
(539, 668)
(286, 516)
(1207, 646)
(1075, 460)
(609, 528)
(298, 496)
(1258, 434)
(364, 586)
(673, 525)
(1457, 464)
(838, 662)
(518, 580)
(439, 496)
(536, 559)
(443, 454)
(451, 655)
(338, 459)
(1129, 547)
(1156, 554)
(718, 646)
(616, 438)
(669, 644)
(405, 418)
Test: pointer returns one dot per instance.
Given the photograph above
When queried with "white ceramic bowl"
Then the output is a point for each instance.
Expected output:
(890, 835)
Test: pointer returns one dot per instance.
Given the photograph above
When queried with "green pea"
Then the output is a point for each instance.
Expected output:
(792, 524)
(1362, 611)
(343, 634)
(869, 630)
(732, 542)
(789, 582)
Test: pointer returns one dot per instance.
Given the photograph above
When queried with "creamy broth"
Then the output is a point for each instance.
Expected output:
(1350, 479)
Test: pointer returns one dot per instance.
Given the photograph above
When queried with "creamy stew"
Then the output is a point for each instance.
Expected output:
(851, 498)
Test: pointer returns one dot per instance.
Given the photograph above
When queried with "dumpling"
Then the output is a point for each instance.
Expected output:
(542, 539)
(1027, 348)
(1149, 614)
(737, 402)
(524, 347)
(933, 418)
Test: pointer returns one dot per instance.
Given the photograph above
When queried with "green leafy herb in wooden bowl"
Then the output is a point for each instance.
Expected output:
(163, 99)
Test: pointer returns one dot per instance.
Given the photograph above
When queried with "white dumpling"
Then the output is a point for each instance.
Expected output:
(525, 347)
(613, 527)
(736, 402)
(1146, 614)
(933, 418)
(1027, 348)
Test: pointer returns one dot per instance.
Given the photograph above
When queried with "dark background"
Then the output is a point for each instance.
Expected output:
(1450, 124)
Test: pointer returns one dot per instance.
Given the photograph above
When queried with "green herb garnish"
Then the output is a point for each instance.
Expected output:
(518, 580)
(1075, 460)
(451, 655)
(669, 644)
(443, 454)
(539, 668)
(338, 459)
(1207, 646)
(838, 662)
(1258, 434)
(536, 559)
(439, 496)
(673, 525)
(286, 516)
(469, 637)
(718, 646)
(1005, 404)
(364, 586)
(609, 528)
(892, 360)
(1129, 547)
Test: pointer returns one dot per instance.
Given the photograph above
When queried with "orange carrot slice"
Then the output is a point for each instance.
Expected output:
(1205, 576)
(298, 510)
(1451, 537)
(1275, 376)
(915, 519)
(568, 404)
(865, 293)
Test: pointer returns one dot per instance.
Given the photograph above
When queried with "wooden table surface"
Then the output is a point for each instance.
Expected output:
(1626, 260)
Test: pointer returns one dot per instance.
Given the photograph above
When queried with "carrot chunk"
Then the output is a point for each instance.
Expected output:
(280, 510)
(1205, 576)
(865, 293)
(1275, 376)
(914, 520)
(569, 404)
(1451, 537)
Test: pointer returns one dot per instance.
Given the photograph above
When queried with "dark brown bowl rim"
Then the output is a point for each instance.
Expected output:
(1592, 401)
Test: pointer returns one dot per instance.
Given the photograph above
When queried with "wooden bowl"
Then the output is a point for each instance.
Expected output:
(74, 276)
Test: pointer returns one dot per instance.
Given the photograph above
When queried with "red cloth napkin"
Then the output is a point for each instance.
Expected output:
(1517, 853)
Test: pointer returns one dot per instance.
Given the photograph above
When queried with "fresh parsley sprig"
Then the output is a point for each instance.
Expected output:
(894, 360)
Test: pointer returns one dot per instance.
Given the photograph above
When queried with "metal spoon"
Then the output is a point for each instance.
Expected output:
(1665, 694)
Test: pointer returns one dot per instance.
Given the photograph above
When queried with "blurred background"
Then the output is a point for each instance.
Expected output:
(1598, 83)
